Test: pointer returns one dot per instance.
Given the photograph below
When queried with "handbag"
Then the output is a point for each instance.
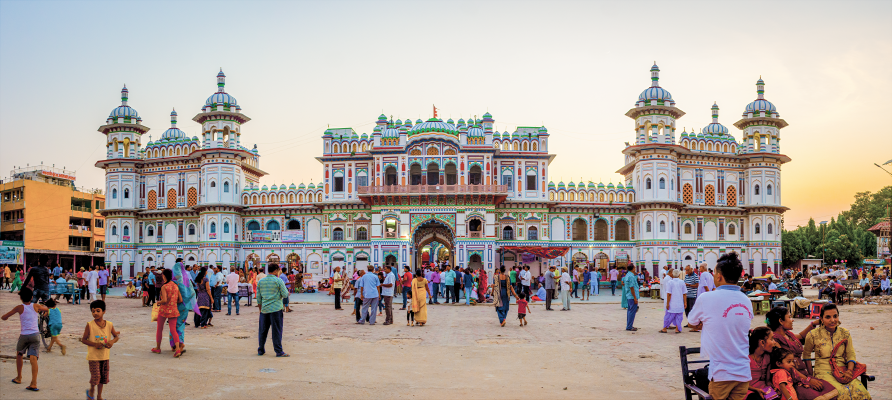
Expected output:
(837, 370)
(155, 309)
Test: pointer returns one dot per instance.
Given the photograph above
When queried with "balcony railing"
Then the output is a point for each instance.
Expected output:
(433, 189)
(82, 209)
(78, 248)
(474, 234)
(390, 235)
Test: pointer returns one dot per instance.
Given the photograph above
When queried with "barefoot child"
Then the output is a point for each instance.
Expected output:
(29, 336)
(55, 326)
(98, 336)
(522, 310)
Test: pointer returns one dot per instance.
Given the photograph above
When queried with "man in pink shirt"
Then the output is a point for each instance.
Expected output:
(613, 275)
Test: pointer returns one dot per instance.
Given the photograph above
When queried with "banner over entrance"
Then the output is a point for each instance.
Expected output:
(543, 252)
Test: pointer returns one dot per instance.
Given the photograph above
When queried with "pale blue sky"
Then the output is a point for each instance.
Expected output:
(576, 67)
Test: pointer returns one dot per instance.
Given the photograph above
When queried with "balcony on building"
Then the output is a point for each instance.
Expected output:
(421, 186)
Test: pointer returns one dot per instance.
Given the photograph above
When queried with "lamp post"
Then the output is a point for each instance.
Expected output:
(823, 234)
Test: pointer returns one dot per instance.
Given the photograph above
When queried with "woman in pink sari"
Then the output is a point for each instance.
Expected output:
(481, 286)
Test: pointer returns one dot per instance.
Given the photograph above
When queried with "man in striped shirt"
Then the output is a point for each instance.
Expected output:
(691, 282)
(270, 292)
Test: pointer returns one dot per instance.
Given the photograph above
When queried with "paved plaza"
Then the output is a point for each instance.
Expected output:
(461, 353)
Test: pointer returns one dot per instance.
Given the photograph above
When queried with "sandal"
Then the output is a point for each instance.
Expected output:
(178, 354)
(88, 395)
(156, 351)
(33, 389)
(17, 383)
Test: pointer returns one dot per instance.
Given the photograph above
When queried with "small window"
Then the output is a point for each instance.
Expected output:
(339, 184)
(362, 181)
(151, 231)
(225, 187)
(337, 234)
(756, 190)
(508, 181)
(253, 226)
(213, 184)
(191, 229)
(362, 234)
(662, 183)
(114, 230)
(532, 233)
(126, 230)
(647, 226)
(770, 230)
(768, 192)
(226, 227)
(647, 183)
(758, 229)
(687, 229)
(662, 226)
(531, 181)
(272, 225)
(127, 193)
(731, 229)
(508, 233)
(213, 227)
(114, 193)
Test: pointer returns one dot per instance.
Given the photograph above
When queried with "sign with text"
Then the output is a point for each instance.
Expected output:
(12, 252)
(292, 236)
(261, 236)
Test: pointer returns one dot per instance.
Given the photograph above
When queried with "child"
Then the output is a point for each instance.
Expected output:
(781, 377)
(96, 336)
(131, 291)
(522, 310)
(55, 326)
(29, 337)
(410, 315)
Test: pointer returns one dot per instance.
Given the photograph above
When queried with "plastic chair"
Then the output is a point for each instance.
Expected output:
(815, 310)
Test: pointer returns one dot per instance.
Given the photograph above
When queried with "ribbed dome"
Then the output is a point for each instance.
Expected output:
(173, 133)
(433, 125)
(475, 132)
(760, 104)
(655, 92)
(221, 97)
(124, 111)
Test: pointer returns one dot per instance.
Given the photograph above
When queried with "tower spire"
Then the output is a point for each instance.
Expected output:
(655, 75)
(221, 81)
(760, 88)
(173, 119)
(124, 95)
(715, 113)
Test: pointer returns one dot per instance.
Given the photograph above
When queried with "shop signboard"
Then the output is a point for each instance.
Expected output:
(12, 252)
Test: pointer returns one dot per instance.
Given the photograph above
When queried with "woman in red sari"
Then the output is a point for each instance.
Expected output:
(481, 286)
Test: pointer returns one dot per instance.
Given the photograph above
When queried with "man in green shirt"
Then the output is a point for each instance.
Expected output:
(270, 292)
(630, 290)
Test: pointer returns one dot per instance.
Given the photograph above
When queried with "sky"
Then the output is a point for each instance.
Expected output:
(576, 67)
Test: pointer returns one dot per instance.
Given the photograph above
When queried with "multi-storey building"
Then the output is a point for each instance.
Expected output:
(449, 190)
(41, 206)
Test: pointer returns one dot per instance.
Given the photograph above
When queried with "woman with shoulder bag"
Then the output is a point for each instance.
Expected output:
(835, 356)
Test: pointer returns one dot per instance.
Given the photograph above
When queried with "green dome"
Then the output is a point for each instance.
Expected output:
(291, 186)
(561, 184)
(600, 185)
(550, 184)
(264, 188)
(311, 186)
(382, 117)
(591, 185)
(301, 186)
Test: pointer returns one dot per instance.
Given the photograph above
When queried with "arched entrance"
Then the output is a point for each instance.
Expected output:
(580, 260)
(602, 261)
(252, 261)
(428, 233)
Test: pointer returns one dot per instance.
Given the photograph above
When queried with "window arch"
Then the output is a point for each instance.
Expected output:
(191, 229)
(126, 193)
(662, 226)
(662, 183)
(710, 195)
(213, 227)
(337, 234)
(770, 230)
(126, 230)
(647, 183)
(647, 227)
(768, 190)
(532, 233)
(572, 196)
(273, 225)
(535, 146)
(758, 228)
(293, 224)
(756, 190)
(253, 226)
(508, 233)
(731, 198)
(225, 187)
(114, 193)
(336, 148)
(622, 230)
(601, 229)
(226, 227)
(687, 229)
(580, 229)
(114, 230)
(150, 231)
(213, 184)
(362, 233)
(732, 230)
(525, 148)
(687, 193)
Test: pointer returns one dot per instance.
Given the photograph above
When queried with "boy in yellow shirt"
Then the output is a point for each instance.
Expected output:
(99, 335)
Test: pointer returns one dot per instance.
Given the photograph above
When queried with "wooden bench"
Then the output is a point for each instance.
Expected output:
(689, 384)
(70, 289)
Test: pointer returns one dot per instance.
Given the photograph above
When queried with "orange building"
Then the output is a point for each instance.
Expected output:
(41, 206)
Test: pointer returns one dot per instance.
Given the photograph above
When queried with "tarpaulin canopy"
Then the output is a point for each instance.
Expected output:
(543, 252)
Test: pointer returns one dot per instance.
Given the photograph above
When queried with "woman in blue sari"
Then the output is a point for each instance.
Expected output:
(501, 292)
(187, 293)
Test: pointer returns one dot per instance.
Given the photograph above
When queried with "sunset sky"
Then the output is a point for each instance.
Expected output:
(576, 67)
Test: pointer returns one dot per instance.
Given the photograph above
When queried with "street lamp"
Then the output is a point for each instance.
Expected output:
(823, 234)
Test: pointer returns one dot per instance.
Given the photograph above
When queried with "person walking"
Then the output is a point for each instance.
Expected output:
(674, 303)
(357, 295)
(468, 280)
(482, 284)
(406, 283)
(369, 295)
(40, 275)
(501, 292)
(456, 285)
(433, 286)
(217, 289)
(596, 280)
(338, 286)
(613, 274)
(630, 291)
(526, 279)
(187, 294)
(270, 293)
(725, 316)
(157, 280)
(150, 286)
(232, 281)
(17, 282)
(205, 299)
(566, 285)
(387, 291)
(586, 283)
(449, 282)
(103, 281)
(29, 336)
(707, 281)
(167, 312)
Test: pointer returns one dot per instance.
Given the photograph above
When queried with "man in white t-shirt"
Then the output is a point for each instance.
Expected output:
(675, 300)
(525, 279)
(232, 292)
(725, 315)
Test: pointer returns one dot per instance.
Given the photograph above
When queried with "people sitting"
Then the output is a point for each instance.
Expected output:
(822, 341)
(875, 285)
(864, 285)
(772, 286)
(131, 290)
(748, 286)
(884, 285)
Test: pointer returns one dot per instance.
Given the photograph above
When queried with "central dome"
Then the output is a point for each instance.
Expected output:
(433, 125)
